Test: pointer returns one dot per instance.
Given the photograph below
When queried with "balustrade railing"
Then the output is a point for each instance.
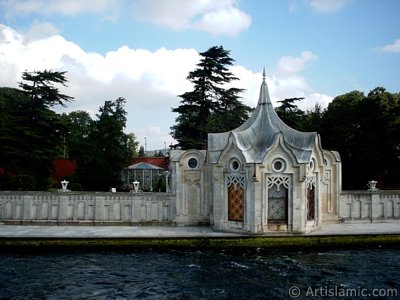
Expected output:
(371, 206)
(36, 207)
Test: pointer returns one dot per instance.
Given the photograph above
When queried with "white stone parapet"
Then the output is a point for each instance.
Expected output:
(79, 207)
(370, 206)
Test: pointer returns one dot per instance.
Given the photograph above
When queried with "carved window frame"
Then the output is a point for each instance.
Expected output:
(235, 180)
(311, 192)
(280, 181)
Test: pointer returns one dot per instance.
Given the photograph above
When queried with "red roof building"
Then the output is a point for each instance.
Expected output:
(63, 168)
(162, 162)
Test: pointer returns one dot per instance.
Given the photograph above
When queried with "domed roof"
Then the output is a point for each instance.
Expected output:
(257, 135)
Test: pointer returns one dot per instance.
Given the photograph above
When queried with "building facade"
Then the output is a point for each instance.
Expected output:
(261, 177)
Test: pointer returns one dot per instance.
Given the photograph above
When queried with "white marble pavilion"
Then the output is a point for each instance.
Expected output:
(261, 177)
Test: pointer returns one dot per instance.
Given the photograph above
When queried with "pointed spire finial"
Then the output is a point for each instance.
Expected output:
(264, 94)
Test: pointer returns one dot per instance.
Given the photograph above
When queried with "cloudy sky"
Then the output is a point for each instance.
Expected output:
(143, 50)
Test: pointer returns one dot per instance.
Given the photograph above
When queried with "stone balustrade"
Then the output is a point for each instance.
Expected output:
(81, 208)
(158, 208)
(367, 206)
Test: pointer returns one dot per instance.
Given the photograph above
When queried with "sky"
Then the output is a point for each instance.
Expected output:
(143, 50)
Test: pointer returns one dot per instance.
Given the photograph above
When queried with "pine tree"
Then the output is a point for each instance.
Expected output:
(40, 86)
(209, 107)
(290, 114)
(30, 131)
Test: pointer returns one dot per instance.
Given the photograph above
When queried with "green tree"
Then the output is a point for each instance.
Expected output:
(30, 131)
(41, 89)
(100, 167)
(132, 145)
(142, 153)
(379, 136)
(290, 114)
(77, 126)
(365, 131)
(13, 130)
(312, 120)
(340, 125)
(210, 107)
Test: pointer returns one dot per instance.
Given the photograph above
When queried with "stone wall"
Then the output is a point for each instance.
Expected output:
(365, 206)
(90, 208)
(189, 178)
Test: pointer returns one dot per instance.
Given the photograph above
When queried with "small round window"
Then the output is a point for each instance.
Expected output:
(312, 165)
(278, 165)
(235, 165)
(193, 163)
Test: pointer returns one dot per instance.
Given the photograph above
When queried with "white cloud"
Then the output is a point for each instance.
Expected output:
(288, 65)
(221, 17)
(39, 30)
(149, 80)
(394, 47)
(230, 21)
(70, 7)
(250, 82)
(284, 81)
(315, 98)
(286, 78)
(327, 6)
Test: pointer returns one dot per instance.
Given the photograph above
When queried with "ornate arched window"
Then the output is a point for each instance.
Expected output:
(278, 187)
(236, 186)
(311, 180)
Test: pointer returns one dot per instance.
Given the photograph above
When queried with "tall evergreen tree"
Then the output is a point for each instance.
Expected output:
(30, 131)
(100, 166)
(210, 107)
(40, 86)
(290, 114)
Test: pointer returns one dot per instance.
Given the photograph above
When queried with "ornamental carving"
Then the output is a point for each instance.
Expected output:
(311, 180)
(278, 181)
(235, 180)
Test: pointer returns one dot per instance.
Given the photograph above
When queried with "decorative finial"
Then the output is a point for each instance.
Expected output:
(264, 74)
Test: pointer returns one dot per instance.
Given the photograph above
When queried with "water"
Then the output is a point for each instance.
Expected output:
(203, 274)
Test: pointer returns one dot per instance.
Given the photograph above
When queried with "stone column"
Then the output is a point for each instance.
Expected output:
(63, 208)
(376, 207)
(27, 207)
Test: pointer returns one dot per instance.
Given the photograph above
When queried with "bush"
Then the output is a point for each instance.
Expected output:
(6, 182)
(75, 186)
(25, 182)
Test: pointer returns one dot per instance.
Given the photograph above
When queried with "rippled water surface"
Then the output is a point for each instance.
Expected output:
(205, 274)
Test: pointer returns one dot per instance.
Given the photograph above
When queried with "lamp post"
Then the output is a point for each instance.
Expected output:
(136, 186)
(64, 185)
(372, 185)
